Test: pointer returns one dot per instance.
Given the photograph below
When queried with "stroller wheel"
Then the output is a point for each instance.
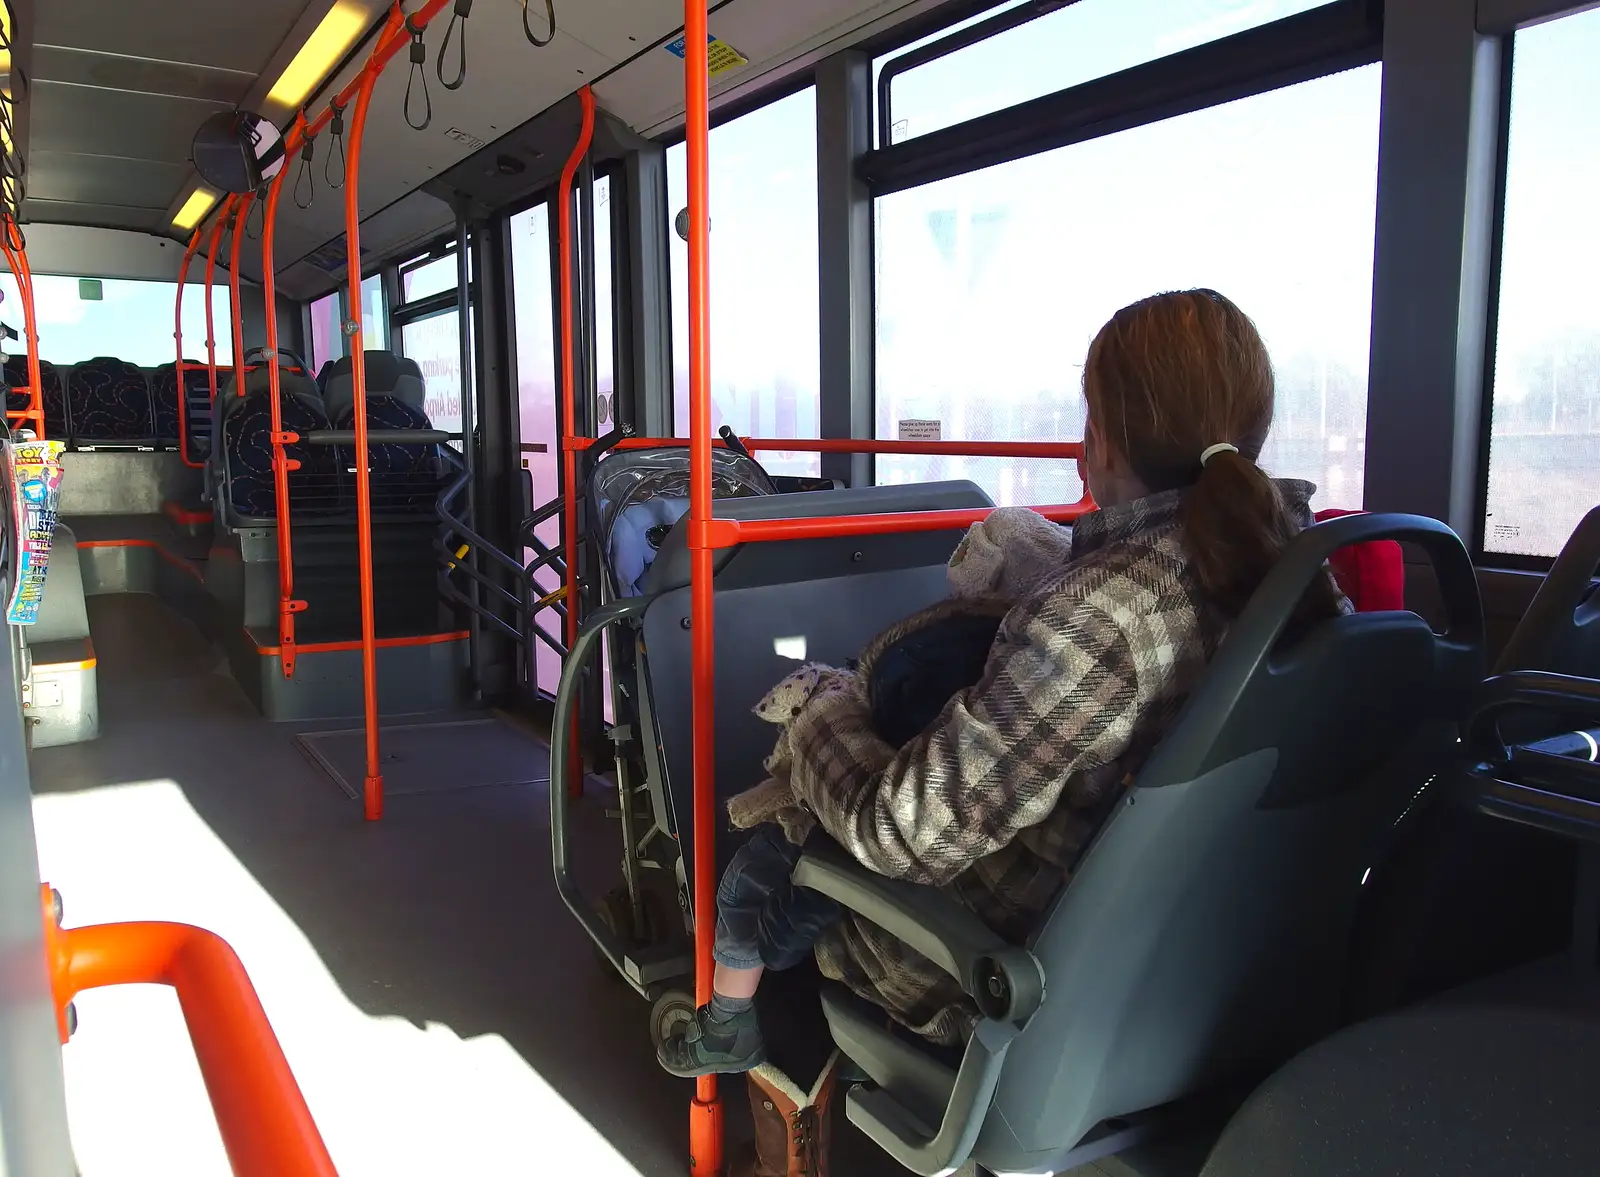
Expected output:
(672, 1010)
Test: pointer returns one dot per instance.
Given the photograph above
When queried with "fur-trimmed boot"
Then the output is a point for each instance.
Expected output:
(793, 1129)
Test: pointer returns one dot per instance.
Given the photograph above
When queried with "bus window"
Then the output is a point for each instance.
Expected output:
(327, 331)
(131, 320)
(540, 440)
(765, 371)
(1544, 443)
(604, 308)
(430, 277)
(374, 321)
(1074, 44)
(435, 344)
(990, 285)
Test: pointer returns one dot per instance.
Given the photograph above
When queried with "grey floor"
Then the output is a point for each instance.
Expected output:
(441, 1009)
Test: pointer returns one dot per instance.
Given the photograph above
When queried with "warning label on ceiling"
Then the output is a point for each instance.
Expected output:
(721, 55)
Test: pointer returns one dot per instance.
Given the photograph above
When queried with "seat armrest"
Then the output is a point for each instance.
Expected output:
(1006, 982)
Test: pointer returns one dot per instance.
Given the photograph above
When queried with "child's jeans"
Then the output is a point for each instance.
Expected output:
(762, 918)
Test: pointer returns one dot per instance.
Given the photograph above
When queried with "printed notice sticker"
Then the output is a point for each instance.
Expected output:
(921, 429)
(720, 55)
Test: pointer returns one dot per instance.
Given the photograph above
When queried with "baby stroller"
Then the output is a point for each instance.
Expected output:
(778, 603)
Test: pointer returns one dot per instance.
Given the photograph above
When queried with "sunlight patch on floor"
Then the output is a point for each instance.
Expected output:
(390, 1098)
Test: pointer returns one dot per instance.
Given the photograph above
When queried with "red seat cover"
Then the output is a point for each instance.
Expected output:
(1372, 575)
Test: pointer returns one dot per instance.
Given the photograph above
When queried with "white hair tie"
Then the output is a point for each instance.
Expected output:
(1212, 450)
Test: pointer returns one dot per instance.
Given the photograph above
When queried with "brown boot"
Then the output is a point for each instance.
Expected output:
(793, 1128)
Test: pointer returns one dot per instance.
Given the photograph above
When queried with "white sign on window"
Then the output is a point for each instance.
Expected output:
(921, 429)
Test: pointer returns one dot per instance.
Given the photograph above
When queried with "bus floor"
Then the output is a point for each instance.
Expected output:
(440, 1008)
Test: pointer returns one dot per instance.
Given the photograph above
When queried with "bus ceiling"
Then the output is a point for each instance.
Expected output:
(111, 93)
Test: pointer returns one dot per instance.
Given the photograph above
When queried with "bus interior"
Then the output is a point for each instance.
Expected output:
(461, 414)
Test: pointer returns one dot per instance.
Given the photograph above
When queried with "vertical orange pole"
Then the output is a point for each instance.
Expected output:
(281, 462)
(17, 255)
(372, 789)
(241, 211)
(705, 1114)
(177, 335)
(569, 454)
(211, 271)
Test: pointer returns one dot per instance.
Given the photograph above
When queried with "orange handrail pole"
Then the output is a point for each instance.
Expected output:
(17, 255)
(569, 457)
(281, 462)
(211, 272)
(266, 1126)
(177, 335)
(241, 210)
(372, 787)
(705, 1113)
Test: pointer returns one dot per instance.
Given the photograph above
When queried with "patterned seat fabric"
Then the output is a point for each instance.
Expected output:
(403, 477)
(247, 438)
(196, 404)
(55, 404)
(110, 401)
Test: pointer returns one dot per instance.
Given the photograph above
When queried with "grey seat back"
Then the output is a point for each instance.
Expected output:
(779, 604)
(1208, 926)
(387, 375)
(1560, 632)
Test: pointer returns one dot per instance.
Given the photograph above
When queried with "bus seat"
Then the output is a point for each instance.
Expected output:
(778, 604)
(109, 401)
(388, 375)
(50, 388)
(194, 402)
(322, 376)
(1560, 632)
(1206, 932)
(1372, 575)
(246, 426)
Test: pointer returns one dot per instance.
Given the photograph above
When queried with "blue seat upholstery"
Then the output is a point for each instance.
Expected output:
(388, 412)
(247, 438)
(50, 386)
(195, 403)
(109, 400)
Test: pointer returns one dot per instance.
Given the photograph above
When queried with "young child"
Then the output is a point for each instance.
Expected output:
(908, 673)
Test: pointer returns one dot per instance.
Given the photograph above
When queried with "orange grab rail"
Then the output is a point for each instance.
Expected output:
(266, 1126)
(182, 367)
(288, 606)
(17, 256)
(241, 210)
(211, 272)
(569, 457)
(705, 1113)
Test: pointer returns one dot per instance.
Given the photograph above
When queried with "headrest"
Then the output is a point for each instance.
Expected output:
(1372, 575)
(387, 375)
(259, 380)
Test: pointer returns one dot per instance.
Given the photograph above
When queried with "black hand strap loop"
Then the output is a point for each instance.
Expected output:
(419, 56)
(304, 176)
(550, 17)
(336, 130)
(256, 216)
(463, 10)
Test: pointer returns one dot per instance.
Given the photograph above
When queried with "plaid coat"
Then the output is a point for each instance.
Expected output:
(998, 799)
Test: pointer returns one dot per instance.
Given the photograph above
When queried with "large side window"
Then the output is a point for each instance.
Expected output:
(765, 372)
(1067, 45)
(990, 285)
(1544, 441)
(374, 317)
(79, 319)
(540, 441)
(327, 331)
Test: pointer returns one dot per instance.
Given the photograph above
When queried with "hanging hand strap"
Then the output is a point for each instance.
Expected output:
(256, 216)
(550, 17)
(304, 176)
(419, 56)
(336, 130)
(463, 10)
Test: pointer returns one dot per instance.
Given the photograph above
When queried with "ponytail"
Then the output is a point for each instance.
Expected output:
(1236, 525)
